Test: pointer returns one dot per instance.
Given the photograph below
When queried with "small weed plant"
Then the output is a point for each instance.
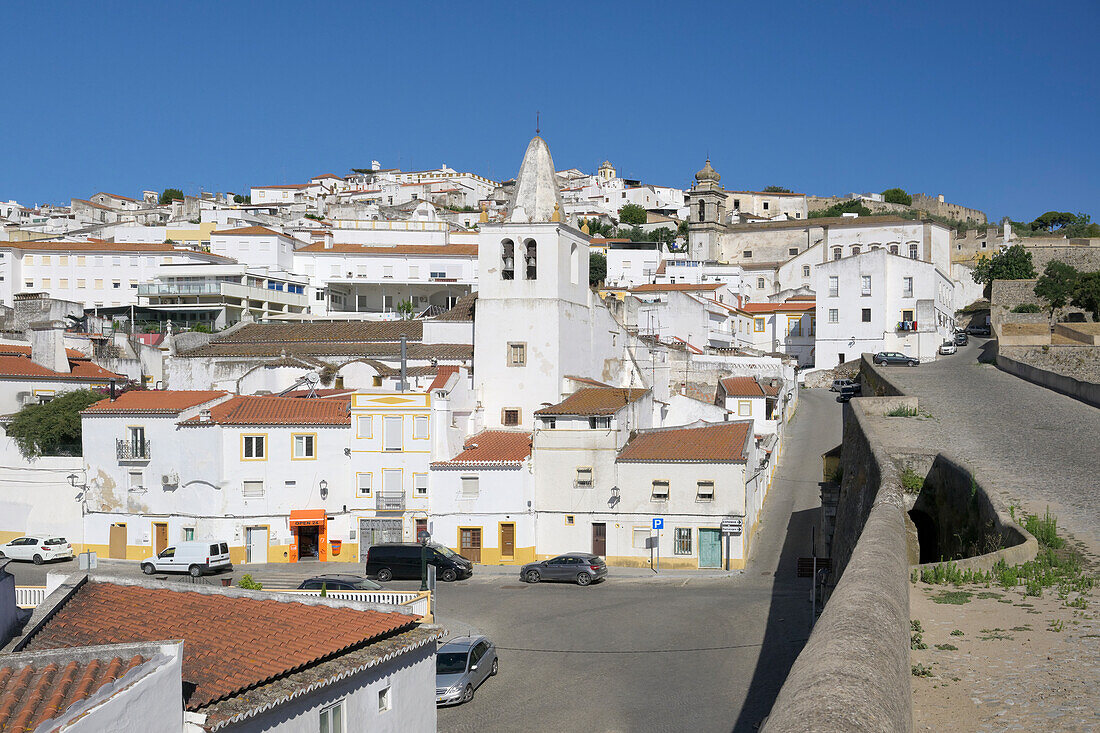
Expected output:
(911, 481)
(1057, 625)
(1044, 529)
(921, 670)
(957, 632)
(903, 411)
(946, 647)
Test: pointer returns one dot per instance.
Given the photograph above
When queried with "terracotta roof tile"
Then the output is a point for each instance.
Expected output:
(125, 247)
(491, 448)
(442, 376)
(335, 331)
(377, 350)
(595, 401)
(33, 693)
(153, 401)
(787, 305)
(262, 410)
(230, 643)
(81, 371)
(25, 350)
(771, 390)
(705, 443)
(742, 387)
(463, 309)
(675, 287)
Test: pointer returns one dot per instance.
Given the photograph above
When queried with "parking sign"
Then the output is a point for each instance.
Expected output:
(658, 523)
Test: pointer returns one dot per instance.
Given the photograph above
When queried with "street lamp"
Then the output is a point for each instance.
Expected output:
(424, 538)
(324, 489)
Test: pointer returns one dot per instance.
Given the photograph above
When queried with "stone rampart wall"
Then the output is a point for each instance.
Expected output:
(1083, 257)
(875, 383)
(1071, 370)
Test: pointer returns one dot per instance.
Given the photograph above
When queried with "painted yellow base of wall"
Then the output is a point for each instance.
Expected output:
(492, 556)
(103, 552)
(667, 563)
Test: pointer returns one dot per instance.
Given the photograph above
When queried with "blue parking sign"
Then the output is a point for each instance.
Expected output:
(658, 523)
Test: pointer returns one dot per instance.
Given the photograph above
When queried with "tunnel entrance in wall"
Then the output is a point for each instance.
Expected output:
(927, 536)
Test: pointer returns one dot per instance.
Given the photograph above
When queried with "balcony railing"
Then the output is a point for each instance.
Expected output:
(390, 502)
(132, 450)
(211, 288)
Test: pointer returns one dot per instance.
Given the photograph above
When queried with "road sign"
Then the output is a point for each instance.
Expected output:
(733, 525)
(658, 523)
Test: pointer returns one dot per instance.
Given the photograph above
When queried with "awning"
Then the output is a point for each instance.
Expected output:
(307, 517)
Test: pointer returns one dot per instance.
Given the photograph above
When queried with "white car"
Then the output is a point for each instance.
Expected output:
(948, 347)
(38, 549)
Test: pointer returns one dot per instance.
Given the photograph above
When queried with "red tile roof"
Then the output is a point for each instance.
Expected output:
(25, 350)
(704, 443)
(21, 367)
(442, 376)
(154, 401)
(742, 387)
(492, 448)
(128, 247)
(32, 694)
(787, 305)
(262, 410)
(675, 287)
(230, 642)
(595, 401)
(244, 231)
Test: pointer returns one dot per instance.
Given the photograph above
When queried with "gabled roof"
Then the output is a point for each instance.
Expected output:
(462, 310)
(233, 641)
(491, 448)
(328, 332)
(792, 306)
(82, 370)
(699, 443)
(169, 402)
(263, 410)
(741, 387)
(442, 376)
(249, 231)
(595, 401)
(675, 287)
(25, 350)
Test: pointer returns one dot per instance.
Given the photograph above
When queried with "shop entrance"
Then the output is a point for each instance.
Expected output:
(309, 529)
(308, 538)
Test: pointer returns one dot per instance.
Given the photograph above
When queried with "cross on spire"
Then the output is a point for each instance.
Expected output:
(536, 122)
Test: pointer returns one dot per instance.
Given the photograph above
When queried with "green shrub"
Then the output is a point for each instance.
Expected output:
(248, 583)
(911, 481)
(1027, 308)
(1044, 529)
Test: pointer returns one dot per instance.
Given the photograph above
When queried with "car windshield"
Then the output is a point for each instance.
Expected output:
(444, 551)
(450, 662)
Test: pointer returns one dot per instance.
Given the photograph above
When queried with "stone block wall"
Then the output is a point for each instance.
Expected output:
(1085, 257)
(1071, 370)
(875, 383)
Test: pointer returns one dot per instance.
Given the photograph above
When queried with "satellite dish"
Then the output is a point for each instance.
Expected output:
(313, 378)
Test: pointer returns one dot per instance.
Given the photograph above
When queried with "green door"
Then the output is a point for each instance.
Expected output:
(710, 548)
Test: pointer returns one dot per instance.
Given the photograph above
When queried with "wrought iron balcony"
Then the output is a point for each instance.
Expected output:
(132, 450)
(393, 501)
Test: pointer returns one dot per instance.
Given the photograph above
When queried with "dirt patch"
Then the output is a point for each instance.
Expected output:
(1002, 660)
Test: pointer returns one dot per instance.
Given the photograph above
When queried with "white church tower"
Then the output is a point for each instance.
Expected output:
(533, 321)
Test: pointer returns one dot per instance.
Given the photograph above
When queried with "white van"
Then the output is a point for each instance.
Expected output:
(189, 557)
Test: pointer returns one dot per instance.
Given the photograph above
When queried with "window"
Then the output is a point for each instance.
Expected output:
(792, 251)
(747, 254)
(549, 423)
(253, 447)
(29, 283)
(305, 447)
(794, 326)
(758, 325)
(116, 262)
(507, 259)
(834, 315)
(28, 260)
(913, 251)
(865, 284)
(414, 272)
(737, 204)
(837, 253)
(420, 484)
(744, 408)
(391, 432)
(136, 480)
(866, 315)
(387, 271)
(599, 423)
(907, 287)
(188, 534)
(530, 257)
(80, 283)
(805, 271)
(116, 284)
(332, 717)
(509, 416)
(570, 520)
(640, 538)
(855, 250)
(517, 354)
(45, 282)
(252, 489)
(46, 260)
(64, 282)
(420, 427)
(765, 206)
(660, 490)
(907, 315)
(469, 488)
(682, 543)
(363, 484)
(704, 491)
(365, 426)
(834, 286)
(584, 478)
(760, 283)
(893, 249)
(384, 702)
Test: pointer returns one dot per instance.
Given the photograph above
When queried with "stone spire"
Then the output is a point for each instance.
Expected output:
(537, 195)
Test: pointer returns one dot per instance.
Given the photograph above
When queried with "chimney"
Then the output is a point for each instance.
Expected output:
(204, 415)
(48, 345)
(328, 240)
(113, 394)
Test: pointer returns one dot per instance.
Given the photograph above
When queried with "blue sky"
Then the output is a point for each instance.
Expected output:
(993, 104)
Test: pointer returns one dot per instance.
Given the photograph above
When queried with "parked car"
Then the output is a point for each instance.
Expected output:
(38, 548)
(893, 357)
(461, 665)
(982, 331)
(195, 557)
(338, 582)
(849, 391)
(948, 347)
(961, 339)
(840, 384)
(401, 560)
(577, 567)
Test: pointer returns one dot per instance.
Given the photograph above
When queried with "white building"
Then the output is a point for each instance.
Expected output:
(788, 327)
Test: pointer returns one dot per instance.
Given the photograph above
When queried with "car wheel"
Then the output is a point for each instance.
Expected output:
(912, 363)
(37, 559)
(469, 694)
(385, 575)
(495, 669)
(148, 569)
(449, 575)
(533, 576)
(583, 578)
(2, 556)
(194, 571)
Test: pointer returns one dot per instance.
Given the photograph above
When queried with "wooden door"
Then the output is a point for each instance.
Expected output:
(161, 535)
(116, 550)
(470, 543)
(508, 541)
(599, 538)
(710, 548)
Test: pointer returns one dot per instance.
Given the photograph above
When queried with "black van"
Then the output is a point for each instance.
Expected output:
(401, 561)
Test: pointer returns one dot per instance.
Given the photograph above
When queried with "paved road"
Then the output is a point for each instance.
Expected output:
(1036, 447)
(690, 651)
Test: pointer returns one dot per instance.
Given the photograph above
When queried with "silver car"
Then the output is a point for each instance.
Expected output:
(461, 665)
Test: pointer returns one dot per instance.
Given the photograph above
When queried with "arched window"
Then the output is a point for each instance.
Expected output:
(574, 264)
(855, 249)
(837, 253)
(913, 251)
(702, 210)
(507, 260)
(875, 247)
(893, 249)
(530, 259)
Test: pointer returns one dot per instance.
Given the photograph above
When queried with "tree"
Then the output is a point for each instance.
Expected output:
(52, 429)
(1057, 284)
(170, 195)
(854, 206)
(239, 199)
(405, 309)
(1012, 264)
(776, 189)
(1052, 220)
(597, 268)
(662, 234)
(1085, 295)
(897, 196)
(633, 214)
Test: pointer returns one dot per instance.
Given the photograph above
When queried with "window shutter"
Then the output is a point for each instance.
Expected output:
(391, 433)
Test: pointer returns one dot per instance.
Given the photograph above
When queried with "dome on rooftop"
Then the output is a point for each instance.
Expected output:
(707, 174)
(537, 196)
